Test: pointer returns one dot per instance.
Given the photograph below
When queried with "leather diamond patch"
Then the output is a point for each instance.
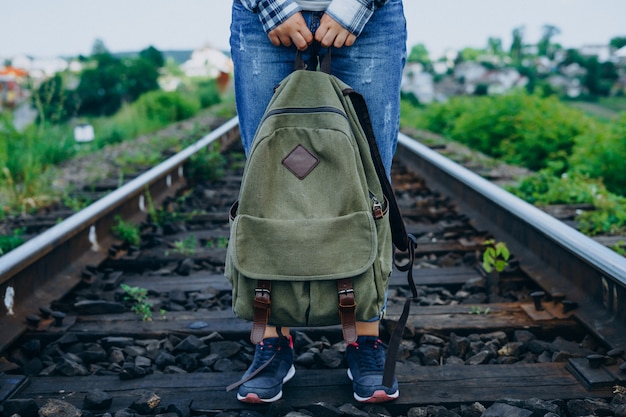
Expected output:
(300, 162)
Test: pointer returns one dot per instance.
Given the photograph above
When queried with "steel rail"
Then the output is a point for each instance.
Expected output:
(559, 257)
(24, 271)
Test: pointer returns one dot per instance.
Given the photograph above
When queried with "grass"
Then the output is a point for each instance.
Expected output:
(28, 157)
(604, 108)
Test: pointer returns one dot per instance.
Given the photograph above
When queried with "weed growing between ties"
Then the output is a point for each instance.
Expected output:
(129, 233)
(139, 299)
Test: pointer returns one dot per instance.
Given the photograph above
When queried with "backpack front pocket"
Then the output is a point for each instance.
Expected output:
(304, 249)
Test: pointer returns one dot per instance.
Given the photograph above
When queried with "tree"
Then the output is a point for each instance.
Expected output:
(494, 46)
(419, 53)
(141, 76)
(517, 45)
(470, 54)
(618, 42)
(98, 48)
(153, 55)
(100, 91)
(593, 78)
(573, 56)
(104, 87)
(543, 47)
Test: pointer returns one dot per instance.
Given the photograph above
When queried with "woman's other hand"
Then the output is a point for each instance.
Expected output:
(331, 33)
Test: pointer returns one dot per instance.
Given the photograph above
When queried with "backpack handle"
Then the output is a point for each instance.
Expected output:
(324, 64)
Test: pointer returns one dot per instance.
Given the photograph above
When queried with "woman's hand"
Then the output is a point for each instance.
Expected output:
(294, 30)
(331, 33)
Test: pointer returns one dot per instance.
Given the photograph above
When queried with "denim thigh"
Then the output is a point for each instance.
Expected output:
(372, 66)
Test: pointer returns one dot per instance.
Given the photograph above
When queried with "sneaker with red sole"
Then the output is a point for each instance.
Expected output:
(274, 356)
(366, 362)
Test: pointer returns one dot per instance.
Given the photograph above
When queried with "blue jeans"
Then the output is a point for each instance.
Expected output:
(372, 66)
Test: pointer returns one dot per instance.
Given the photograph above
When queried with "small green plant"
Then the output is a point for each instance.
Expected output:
(187, 246)
(206, 165)
(478, 311)
(219, 243)
(619, 247)
(127, 232)
(156, 216)
(10, 242)
(496, 255)
(139, 296)
(495, 259)
(75, 203)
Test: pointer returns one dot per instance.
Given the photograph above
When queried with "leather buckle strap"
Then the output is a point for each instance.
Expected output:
(347, 309)
(262, 303)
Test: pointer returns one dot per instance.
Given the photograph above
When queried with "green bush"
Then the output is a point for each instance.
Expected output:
(518, 128)
(440, 117)
(208, 93)
(608, 215)
(545, 188)
(579, 159)
(600, 152)
(166, 107)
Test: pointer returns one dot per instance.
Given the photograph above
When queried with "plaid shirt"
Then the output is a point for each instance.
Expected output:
(351, 14)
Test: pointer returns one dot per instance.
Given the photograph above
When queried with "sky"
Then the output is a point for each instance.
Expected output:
(47, 28)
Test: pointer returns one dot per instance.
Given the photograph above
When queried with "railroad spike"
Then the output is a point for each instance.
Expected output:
(569, 305)
(58, 317)
(537, 296)
(596, 360)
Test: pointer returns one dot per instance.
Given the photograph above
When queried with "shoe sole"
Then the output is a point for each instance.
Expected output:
(379, 396)
(252, 398)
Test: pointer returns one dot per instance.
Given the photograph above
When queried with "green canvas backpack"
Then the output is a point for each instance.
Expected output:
(311, 232)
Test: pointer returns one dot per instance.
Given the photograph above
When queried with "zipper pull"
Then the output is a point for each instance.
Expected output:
(377, 208)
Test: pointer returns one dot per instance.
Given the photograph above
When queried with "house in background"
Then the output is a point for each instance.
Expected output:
(418, 82)
(207, 62)
(12, 86)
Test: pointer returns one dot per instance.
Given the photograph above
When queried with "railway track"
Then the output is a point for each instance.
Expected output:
(550, 327)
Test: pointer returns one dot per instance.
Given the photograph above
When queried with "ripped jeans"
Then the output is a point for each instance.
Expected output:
(372, 66)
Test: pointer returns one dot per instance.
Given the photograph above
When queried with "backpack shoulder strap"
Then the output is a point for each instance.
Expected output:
(401, 239)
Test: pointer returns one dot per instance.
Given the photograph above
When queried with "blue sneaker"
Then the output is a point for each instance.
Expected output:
(366, 362)
(267, 385)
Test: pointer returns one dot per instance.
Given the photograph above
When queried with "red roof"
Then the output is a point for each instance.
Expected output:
(17, 72)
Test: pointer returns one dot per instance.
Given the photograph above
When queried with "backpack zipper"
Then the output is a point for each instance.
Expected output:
(304, 110)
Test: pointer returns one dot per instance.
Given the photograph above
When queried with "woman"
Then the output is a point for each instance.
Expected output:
(368, 38)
